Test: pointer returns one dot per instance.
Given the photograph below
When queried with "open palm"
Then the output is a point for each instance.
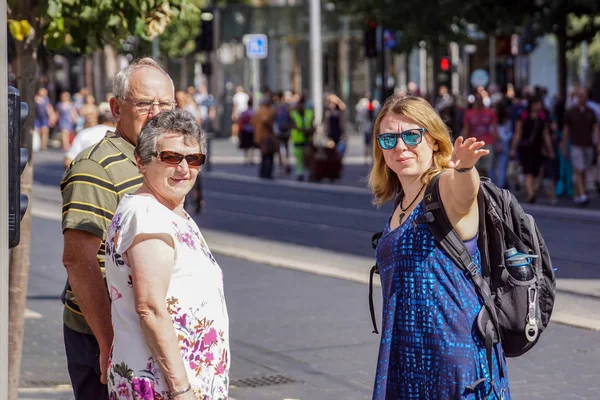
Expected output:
(467, 153)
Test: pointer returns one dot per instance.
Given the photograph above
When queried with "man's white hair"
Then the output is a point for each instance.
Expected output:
(121, 80)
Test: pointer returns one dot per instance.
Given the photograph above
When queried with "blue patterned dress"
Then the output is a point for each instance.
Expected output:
(429, 345)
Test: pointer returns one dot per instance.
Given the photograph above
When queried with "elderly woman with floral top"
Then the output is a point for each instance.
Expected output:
(168, 307)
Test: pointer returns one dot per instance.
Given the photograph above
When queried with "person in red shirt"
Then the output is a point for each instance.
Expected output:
(482, 124)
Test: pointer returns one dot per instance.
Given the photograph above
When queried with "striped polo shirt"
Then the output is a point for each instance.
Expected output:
(97, 179)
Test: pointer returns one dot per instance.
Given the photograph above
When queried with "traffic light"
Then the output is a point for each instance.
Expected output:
(371, 40)
(204, 42)
(17, 160)
(444, 76)
(528, 40)
(445, 64)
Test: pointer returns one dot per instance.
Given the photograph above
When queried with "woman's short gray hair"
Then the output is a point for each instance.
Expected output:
(174, 121)
(121, 79)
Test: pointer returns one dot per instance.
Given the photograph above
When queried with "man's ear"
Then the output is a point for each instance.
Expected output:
(115, 108)
(138, 160)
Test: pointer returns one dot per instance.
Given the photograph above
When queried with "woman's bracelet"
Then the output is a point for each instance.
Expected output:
(463, 170)
(180, 392)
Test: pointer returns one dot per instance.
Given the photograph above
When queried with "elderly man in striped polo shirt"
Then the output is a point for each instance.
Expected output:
(92, 187)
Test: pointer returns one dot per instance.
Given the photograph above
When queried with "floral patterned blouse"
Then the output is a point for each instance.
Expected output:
(195, 300)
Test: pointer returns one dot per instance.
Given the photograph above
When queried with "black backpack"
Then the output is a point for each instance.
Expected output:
(514, 312)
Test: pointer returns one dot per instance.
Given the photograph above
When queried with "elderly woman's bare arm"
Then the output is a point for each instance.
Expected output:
(151, 258)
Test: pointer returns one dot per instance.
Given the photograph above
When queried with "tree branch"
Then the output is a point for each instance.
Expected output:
(586, 34)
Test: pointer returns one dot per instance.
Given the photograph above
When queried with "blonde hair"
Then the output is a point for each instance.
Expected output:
(384, 182)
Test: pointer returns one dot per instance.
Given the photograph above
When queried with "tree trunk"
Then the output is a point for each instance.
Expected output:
(26, 72)
(89, 73)
(184, 72)
(561, 57)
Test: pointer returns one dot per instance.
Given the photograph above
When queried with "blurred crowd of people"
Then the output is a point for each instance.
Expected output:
(282, 125)
(68, 116)
(538, 144)
(541, 144)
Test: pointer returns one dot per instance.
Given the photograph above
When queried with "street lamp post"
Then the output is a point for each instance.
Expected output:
(316, 59)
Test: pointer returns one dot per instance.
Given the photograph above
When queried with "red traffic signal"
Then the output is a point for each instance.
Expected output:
(445, 64)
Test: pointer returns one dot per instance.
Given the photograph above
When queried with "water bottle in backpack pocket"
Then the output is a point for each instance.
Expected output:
(516, 301)
(519, 265)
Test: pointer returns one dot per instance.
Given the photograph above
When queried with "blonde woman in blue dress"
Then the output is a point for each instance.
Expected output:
(429, 347)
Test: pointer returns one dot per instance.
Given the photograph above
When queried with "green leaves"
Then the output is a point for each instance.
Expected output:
(53, 9)
(84, 25)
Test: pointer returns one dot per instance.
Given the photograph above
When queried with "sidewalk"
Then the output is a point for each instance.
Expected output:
(577, 299)
(227, 160)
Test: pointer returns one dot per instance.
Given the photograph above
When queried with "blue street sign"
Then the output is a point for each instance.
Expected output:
(257, 45)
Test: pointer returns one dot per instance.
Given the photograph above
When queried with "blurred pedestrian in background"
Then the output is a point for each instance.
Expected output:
(67, 118)
(263, 122)
(502, 154)
(334, 127)
(530, 139)
(240, 104)
(89, 137)
(564, 185)
(246, 133)
(186, 102)
(89, 112)
(44, 116)
(480, 122)
(580, 127)
(303, 128)
(283, 127)
(367, 110)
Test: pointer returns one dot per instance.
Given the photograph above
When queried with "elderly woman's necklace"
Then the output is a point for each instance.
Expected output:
(403, 213)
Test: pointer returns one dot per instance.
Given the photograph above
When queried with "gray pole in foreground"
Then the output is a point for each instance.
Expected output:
(3, 206)
(316, 60)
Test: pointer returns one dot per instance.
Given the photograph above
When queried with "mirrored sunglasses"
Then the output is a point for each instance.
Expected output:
(411, 137)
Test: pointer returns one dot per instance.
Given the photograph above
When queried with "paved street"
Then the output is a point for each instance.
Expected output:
(310, 329)
(313, 329)
(307, 328)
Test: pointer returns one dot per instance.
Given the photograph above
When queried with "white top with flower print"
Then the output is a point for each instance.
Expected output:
(195, 300)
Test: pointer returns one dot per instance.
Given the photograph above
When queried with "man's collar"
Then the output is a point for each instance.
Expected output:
(122, 144)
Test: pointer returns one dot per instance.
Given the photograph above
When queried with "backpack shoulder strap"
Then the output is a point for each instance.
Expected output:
(436, 218)
(375, 269)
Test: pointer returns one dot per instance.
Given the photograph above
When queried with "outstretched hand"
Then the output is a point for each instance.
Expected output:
(467, 153)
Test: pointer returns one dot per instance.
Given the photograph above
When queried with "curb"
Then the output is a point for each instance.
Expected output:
(297, 265)
(558, 317)
(66, 388)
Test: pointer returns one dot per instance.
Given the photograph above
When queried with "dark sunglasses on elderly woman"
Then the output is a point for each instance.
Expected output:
(411, 137)
(174, 158)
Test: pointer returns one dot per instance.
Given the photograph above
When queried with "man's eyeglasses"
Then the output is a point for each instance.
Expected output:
(174, 158)
(144, 107)
(411, 137)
